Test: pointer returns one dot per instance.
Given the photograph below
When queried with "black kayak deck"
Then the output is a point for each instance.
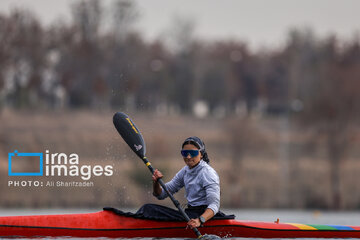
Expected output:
(162, 213)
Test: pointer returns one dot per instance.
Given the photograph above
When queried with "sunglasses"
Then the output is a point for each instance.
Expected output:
(193, 153)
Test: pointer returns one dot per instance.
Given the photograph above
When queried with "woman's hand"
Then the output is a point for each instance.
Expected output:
(208, 214)
(156, 186)
(193, 223)
(157, 175)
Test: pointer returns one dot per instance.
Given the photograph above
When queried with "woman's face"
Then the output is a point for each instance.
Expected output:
(191, 161)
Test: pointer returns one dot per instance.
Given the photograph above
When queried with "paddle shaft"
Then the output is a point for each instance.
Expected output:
(176, 202)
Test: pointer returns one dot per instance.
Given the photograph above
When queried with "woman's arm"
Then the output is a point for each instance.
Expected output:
(211, 183)
(173, 186)
(208, 214)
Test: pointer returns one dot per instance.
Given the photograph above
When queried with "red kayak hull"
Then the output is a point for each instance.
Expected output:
(109, 224)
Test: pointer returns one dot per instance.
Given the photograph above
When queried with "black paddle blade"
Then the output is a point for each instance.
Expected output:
(130, 133)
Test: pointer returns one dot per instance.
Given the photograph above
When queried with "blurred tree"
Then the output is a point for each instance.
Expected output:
(245, 68)
(61, 41)
(155, 87)
(276, 85)
(125, 14)
(219, 86)
(83, 58)
(22, 51)
(125, 55)
(236, 71)
(87, 17)
(182, 93)
(182, 66)
(213, 88)
(126, 70)
(3, 57)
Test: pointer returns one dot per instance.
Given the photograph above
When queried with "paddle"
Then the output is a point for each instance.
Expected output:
(132, 136)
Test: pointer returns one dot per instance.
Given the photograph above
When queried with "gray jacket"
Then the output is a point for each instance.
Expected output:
(202, 186)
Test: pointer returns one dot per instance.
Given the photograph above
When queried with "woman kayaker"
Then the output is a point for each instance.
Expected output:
(201, 182)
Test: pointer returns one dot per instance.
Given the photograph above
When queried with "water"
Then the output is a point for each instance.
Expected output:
(290, 216)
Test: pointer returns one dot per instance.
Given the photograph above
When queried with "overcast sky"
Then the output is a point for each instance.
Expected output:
(258, 22)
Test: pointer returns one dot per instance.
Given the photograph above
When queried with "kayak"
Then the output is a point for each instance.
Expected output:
(108, 223)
